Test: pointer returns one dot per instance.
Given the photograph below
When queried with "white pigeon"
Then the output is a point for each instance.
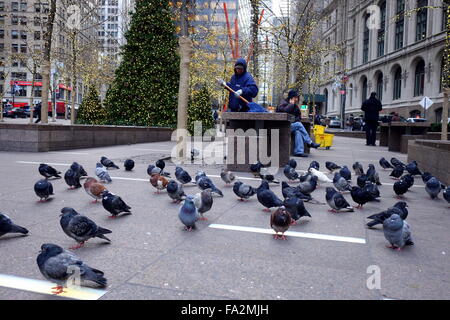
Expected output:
(320, 175)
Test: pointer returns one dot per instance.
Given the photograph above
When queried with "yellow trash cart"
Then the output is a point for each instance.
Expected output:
(324, 139)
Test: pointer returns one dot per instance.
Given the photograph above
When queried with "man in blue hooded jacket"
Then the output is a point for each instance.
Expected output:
(244, 85)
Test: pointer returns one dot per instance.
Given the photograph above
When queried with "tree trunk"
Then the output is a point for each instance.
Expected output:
(74, 78)
(32, 93)
(255, 42)
(46, 64)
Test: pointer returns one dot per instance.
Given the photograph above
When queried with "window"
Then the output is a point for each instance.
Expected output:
(15, 48)
(364, 90)
(23, 35)
(38, 92)
(22, 92)
(421, 25)
(400, 24)
(37, 35)
(37, 7)
(23, 21)
(419, 79)
(37, 21)
(2, 6)
(366, 40)
(14, 6)
(2, 34)
(2, 75)
(2, 47)
(398, 84)
(382, 30)
(38, 76)
(23, 6)
(14, 20)
(380, 86)
(2, 20)
(23, 48)
(19, 76)
(14, 34)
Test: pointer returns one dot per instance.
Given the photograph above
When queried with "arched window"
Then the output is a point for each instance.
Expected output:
(366, 40)
(364, 90)
(380, 86)
(422, 19)
(419, 79)
(398, 84)
(382, 30)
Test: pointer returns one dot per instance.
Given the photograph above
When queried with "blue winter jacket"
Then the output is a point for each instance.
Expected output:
(247, 84)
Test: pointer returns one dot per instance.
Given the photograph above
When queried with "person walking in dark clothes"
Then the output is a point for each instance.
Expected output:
(371, 108)
(37, 111)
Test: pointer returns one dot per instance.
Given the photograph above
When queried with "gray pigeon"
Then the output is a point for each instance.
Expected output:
(108, 163)
(7, 226)
(433, 187)
(243, 191)
(188, 213)
(102, 173)
(152, 170)
(400, 208)
(203, 182)
(331, 166)
(280, 220)
(345, 173)
(340, 183)
(308, 187)
(267, 197)
(175, 191)
(80, 227)
(373, 175)
(290, 173)
(358, 168)
(296, 208)
(182, 176)
(43, 189)
(397, 232)
(114, 204)
(203, 202)
(58, 265)
(337, 201)
(447, 194)
(227, 176)
(48, 171)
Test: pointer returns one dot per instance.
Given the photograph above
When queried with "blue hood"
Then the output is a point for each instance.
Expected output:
(242, 62)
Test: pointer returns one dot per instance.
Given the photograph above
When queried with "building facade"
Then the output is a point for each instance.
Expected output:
(394, 48)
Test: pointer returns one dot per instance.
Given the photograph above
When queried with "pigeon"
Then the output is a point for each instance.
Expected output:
(203, 202)
(290, 173)
(397, 232)
(296, 208)
(289, 191)
(360, 196)
(397, 172)
(372, 188)
(337, 201)
(78, 169)
(7, 226)
(160, 164)
(175, 191)
(306, 177)
(188, 213)
(321, 176)
(426, 176)
(203, 182)
(280, 220)
(114, 204)
(340, 183)
(292, 163)
(58, 265)
(159, 182)
(264, 175)
(345, 173)
(267, 197)
(397, 163)
(48, 171)
(413, 169)
(361, 180)
(43, 189)
(433, 187)
(315, 165)
(373, 175)
(80, 228)
(151, 169)
(385, 164)
(227, 176)
(409, 179)
(243, 191)
(182, 176)
(72, 179)
(358, 168)
(108, 163)
(102, 173)
(400, 208)
(447, 194)
(308, 187)
(331, 166)
(129, 165)
(94, 189)
(256, 168)
(400, 188)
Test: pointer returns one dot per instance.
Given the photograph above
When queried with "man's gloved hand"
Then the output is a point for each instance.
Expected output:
(221, 82)
(238, 93)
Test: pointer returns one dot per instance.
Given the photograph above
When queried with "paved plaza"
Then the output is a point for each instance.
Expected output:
(152, 257)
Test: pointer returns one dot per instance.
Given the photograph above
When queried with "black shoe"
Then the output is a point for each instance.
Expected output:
(314, 145)
(301, 155)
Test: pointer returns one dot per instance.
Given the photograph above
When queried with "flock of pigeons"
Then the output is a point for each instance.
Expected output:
(53, 261)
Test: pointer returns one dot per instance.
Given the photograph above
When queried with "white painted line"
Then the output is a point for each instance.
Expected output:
(130, 179)
(391, 184)
(45, 287)
(49, 163)
(156, 150)
(70, 153)
(290, 233)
